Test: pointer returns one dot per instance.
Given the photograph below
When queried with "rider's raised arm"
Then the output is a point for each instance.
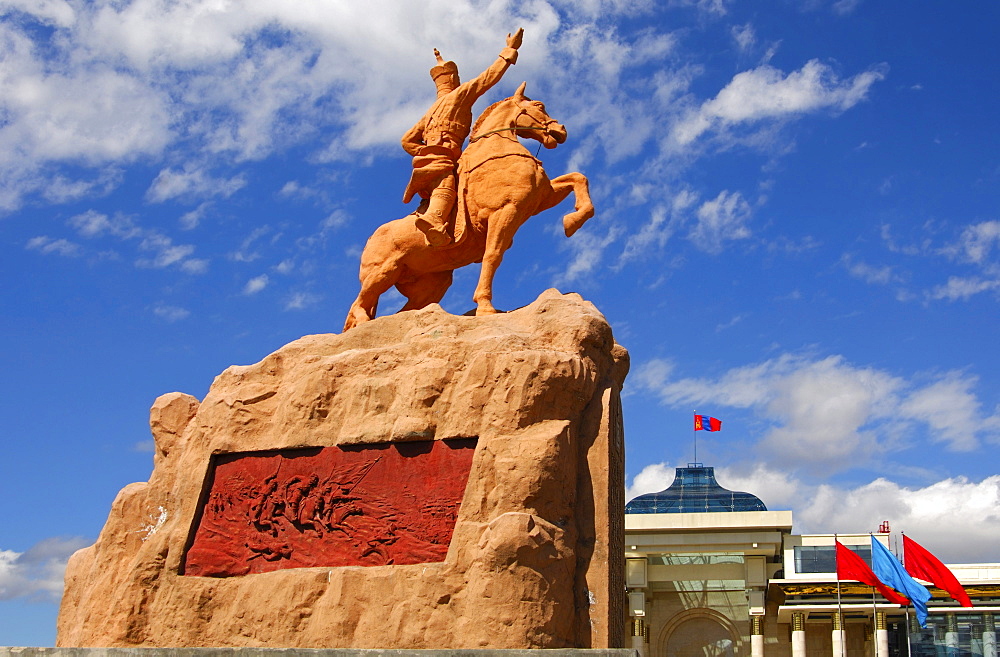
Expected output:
(507, 57)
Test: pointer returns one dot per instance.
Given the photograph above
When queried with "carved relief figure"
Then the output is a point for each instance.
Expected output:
(267, 512)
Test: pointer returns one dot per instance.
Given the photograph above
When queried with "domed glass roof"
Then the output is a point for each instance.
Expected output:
(694, 491)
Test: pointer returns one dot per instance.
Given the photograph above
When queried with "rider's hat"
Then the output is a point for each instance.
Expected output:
(445, 76)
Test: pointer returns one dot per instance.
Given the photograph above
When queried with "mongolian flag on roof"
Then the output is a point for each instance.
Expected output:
(703, 422)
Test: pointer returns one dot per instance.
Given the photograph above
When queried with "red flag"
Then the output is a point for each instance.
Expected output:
(703, 422)
(851, 566)
(921, 563)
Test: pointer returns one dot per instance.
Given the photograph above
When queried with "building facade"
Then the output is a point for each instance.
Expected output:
(712, 573)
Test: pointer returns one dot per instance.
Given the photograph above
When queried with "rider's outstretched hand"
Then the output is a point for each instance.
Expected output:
(515, 41)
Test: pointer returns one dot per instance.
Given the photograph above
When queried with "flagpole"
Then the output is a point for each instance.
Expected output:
(874, 626)
(694, 434)
(840, 609)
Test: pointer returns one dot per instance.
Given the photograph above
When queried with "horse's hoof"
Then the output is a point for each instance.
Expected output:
(573, 221)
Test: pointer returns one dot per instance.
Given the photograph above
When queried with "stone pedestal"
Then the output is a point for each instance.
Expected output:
(423, 481)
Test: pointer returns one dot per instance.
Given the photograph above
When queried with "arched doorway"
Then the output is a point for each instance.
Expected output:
(700, 635)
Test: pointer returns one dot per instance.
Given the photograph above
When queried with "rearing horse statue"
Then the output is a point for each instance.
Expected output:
(500, 185)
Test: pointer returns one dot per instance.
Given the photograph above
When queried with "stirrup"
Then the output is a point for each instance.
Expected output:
(435, 235)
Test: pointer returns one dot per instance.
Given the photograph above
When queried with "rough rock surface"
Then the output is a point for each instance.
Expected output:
(535, 556)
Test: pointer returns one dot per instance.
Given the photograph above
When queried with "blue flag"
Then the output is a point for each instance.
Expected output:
(888, 569)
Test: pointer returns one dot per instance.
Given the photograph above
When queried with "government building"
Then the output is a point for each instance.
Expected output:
(712, 573)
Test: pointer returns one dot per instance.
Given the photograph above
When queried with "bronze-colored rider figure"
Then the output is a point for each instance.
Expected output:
(436, 141)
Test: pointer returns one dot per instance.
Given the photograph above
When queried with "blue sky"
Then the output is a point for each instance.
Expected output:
(797, 231)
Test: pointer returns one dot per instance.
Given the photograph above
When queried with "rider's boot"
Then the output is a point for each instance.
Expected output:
(433, 223)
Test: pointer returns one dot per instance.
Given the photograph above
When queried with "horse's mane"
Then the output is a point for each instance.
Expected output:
(486, 112)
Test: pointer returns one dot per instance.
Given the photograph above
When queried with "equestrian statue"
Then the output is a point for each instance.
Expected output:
(473, 200)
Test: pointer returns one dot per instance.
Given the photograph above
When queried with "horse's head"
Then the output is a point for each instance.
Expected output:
(534, 123)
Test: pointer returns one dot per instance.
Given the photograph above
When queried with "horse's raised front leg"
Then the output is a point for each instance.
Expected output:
(583, 207)
(499, 235)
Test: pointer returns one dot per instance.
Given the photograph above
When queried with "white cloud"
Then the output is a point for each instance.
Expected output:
(194, 265)
(301, 301)
(733, 321)
(202, 81)
(335, 220)
(166, 254)
(951, 409)
(710, 7)
(722, 219)
(256, 284)
(194, 183)
(51, 12)
(973, 251)
(64, 190)
(652, 479)
(870, 274)
(827, 414)
(37, 573)
(48, 245)
(936, 515)
(767, 93)
(744, 36)
(246, 252)
(92, 224)
(295, 190)
(233, 80)
(170, 313)
(663, 222)
(190, 220)
(976, 242)
(845, 7)
(961, 288)
(94, 114)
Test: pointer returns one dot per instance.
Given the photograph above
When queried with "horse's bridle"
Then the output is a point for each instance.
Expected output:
(515, 127)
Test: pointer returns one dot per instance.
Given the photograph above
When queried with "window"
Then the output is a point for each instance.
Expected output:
(823, 558)
(701, 559)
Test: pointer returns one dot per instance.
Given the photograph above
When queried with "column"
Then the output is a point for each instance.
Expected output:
(881, 635)
(951, 635)
(839, 649)
(975, 639)
(798, 634)
(645, 641)
(756, 636)
(989, 636)
(638, 632)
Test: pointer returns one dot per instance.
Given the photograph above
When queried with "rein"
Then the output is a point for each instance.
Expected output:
(493, 132)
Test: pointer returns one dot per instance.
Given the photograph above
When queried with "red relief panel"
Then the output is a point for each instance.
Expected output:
(371, 505)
